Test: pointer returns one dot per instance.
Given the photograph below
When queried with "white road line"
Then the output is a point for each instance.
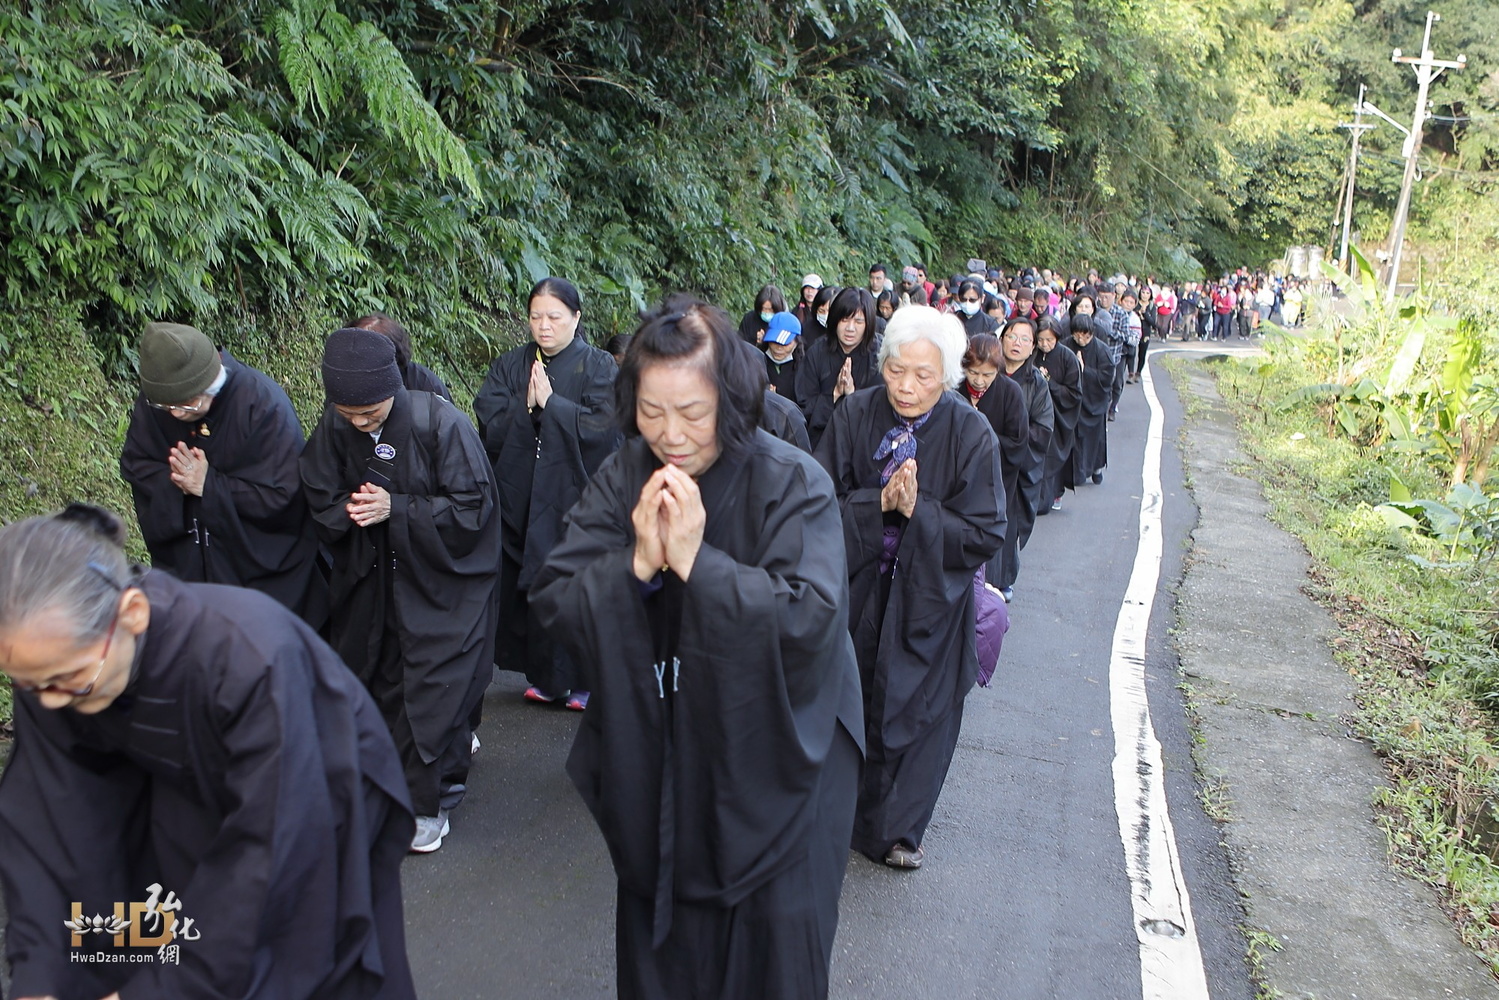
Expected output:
(1170, 957)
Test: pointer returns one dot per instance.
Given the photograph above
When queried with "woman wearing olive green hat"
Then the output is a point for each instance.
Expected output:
(211, 458)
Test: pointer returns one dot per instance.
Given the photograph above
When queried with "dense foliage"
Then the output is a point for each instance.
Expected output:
(227, 163)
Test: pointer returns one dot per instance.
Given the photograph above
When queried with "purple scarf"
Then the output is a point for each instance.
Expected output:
(898, 445)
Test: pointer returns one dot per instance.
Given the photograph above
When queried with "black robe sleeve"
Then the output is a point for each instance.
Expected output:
(1041, 422)
(702, 776)
(79, 840)
(782, 418)
(1004, 407)
(919, 647)
(252, 806)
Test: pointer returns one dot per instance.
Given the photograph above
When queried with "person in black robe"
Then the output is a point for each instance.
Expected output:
(756, 322)
(1090, 450)
(780, 417)
(211, 459)
(1003, 405)
(782, 355)
(1063, 378)
(971, 311)
(1018, 343)
(700, 583)
(840, 364)
(546, 412)
(815, 324)
(811, 285)
(403, 496)
(413, 374)
(917, 476)
(191, 758)
(1084, 303)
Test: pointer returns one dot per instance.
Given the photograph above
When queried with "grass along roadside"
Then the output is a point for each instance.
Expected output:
(1420, 644)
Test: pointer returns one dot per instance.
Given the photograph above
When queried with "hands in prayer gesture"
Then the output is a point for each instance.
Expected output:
(539, 389)
(900, 493)
(189, 468)
(845, 380)
(668, 519)
(370, 505)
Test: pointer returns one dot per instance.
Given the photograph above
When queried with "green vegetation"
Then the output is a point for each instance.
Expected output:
(1373, 439)
(267, 169)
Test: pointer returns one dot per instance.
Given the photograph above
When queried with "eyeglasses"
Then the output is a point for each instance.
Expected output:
(187, 408)
(88, 688)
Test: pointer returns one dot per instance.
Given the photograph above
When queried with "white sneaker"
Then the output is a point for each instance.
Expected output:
(429, 833)
(474, 745)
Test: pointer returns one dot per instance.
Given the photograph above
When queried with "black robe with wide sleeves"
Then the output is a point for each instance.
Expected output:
(914, 629)
(783, 419)
(250, 528)
(1041, 422)
(435, 559)
(1090, 452)
(542, 461)
(715, 702)
(1004, 407)
(817, 375)
(1063, 378)
(244, 770)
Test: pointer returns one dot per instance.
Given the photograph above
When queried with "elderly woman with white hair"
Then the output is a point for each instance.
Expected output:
(917, 475)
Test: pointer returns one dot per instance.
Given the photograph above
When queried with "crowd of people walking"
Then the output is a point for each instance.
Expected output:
(766, 562)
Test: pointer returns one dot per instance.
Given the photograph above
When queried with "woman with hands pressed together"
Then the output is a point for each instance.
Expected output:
(840, 364)
(403, 496)
(700, 586)
(546, 414)
(916, 528)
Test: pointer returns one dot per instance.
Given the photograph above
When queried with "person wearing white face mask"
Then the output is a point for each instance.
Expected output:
(971, 309)
(768, 302)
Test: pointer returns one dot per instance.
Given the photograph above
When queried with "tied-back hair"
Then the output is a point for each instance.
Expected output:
(846, 303)
(687, 330)
(983, 349)
(72, 562)
(563, 291)
(387, 327)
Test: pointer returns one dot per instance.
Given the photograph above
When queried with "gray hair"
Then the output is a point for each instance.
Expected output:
(913, 323)
(72, 562)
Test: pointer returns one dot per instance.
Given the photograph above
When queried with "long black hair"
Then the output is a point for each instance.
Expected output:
(565, 292)
(685, 328)
(771, 294)
(847, 303)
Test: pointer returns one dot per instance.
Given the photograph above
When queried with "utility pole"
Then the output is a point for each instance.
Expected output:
(1427, 70)
(1358, 128)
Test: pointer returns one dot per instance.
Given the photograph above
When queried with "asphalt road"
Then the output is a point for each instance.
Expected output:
(1024, 894)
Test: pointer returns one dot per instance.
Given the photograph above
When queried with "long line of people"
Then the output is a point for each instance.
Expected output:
(747, 555)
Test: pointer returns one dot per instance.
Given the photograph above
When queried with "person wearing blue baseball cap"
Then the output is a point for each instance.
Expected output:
(782, 340)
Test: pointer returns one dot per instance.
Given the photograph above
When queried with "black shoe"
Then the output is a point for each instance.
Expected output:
(1098, 478)
(901, 856)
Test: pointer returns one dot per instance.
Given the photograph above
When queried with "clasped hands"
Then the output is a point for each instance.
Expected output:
(368, 505)
(845, 384)
(668, 521)
(188, 467)
(539, 389)
(900, 492)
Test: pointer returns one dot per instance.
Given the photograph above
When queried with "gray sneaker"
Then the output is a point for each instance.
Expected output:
(429, 833)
